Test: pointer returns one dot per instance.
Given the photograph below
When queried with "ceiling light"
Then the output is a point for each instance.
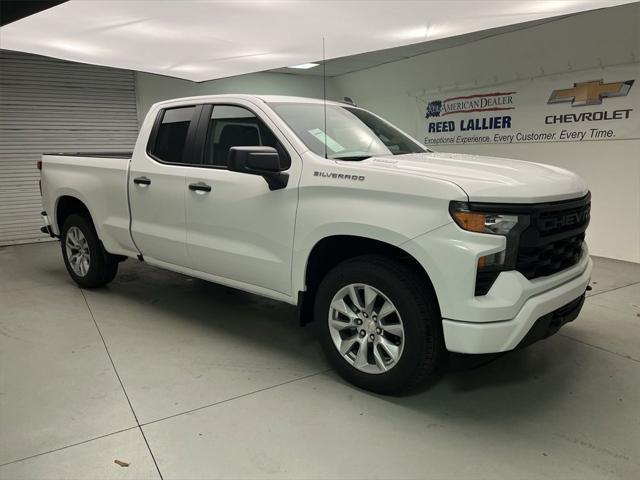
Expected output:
(543, 6)
(412, 33)
(304, 66)
(445, 30)
(77, 47)
(192, 68)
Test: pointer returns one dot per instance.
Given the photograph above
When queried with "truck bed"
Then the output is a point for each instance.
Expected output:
(99, 181)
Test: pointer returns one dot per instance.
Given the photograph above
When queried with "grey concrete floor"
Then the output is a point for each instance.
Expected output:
(186, 379)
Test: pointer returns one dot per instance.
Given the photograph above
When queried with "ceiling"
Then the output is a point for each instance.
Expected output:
(353, 63)
(202, 40)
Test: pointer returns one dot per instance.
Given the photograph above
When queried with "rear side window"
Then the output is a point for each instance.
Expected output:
(232, 126)
(171, 136)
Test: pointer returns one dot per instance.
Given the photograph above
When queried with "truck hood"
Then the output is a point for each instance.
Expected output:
(489, 179)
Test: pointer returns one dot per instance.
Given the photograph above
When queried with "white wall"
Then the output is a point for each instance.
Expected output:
(154, 88)
(594, 39)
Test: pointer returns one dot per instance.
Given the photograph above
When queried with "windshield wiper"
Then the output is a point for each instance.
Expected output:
(352, 158)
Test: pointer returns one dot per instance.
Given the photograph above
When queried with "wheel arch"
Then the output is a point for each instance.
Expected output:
(334, 249)
(67, 205)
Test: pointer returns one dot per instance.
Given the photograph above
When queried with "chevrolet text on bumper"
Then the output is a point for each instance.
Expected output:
(396, 253)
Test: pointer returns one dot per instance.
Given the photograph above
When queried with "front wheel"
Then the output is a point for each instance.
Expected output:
(379, 324)
(86, 261)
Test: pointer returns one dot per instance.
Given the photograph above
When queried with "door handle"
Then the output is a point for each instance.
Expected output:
(142, 181)
(199, 187)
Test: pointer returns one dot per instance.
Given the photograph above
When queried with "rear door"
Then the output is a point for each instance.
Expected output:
(237, 228)
(157, 186)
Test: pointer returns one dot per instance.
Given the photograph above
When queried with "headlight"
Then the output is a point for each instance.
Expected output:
(482, 222)
(487, 218)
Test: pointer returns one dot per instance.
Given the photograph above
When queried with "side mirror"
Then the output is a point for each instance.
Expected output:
(263, 161)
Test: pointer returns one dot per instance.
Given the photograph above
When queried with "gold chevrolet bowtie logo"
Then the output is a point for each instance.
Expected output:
(590, 93)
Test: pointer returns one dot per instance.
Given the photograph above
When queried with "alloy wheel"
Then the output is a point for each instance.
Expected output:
(78, 253)
(366, 328)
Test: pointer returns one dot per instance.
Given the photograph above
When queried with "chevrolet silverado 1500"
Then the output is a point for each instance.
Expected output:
(397, 254)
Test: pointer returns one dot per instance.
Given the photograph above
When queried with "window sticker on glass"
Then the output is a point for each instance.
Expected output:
(327, 140)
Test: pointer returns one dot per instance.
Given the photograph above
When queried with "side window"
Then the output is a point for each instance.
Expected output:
(231, 126)
(171, 137)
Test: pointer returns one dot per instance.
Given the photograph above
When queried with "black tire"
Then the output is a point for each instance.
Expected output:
(102, 267)
(417, 305)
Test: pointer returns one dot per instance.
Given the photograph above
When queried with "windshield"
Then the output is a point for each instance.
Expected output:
(351, 133)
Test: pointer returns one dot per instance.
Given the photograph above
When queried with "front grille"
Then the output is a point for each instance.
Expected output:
(550, 258)
(553, 240)
(549, 238)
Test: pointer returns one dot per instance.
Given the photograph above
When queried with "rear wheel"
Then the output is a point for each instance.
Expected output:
(379, 324)
(86, 261)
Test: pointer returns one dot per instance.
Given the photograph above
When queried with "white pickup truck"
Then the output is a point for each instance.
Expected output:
(398, 254)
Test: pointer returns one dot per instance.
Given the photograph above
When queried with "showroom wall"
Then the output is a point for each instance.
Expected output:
(398, 90)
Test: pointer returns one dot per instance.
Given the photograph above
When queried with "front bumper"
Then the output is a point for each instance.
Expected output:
(540, 316)
(550, 323)
(499, 320)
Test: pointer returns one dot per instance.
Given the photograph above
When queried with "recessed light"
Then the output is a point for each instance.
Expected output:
(77, 47)
(192, 68)
(304, 66)
(413, 33)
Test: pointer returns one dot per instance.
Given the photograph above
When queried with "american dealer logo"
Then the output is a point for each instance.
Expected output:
(480, 102)
(590, 93)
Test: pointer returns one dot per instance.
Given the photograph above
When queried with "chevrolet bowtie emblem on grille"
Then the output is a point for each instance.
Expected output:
(590, 93)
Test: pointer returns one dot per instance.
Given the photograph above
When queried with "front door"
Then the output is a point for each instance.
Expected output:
(237, 228)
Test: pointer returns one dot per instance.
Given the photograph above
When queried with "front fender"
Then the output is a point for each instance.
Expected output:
(303, 247)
